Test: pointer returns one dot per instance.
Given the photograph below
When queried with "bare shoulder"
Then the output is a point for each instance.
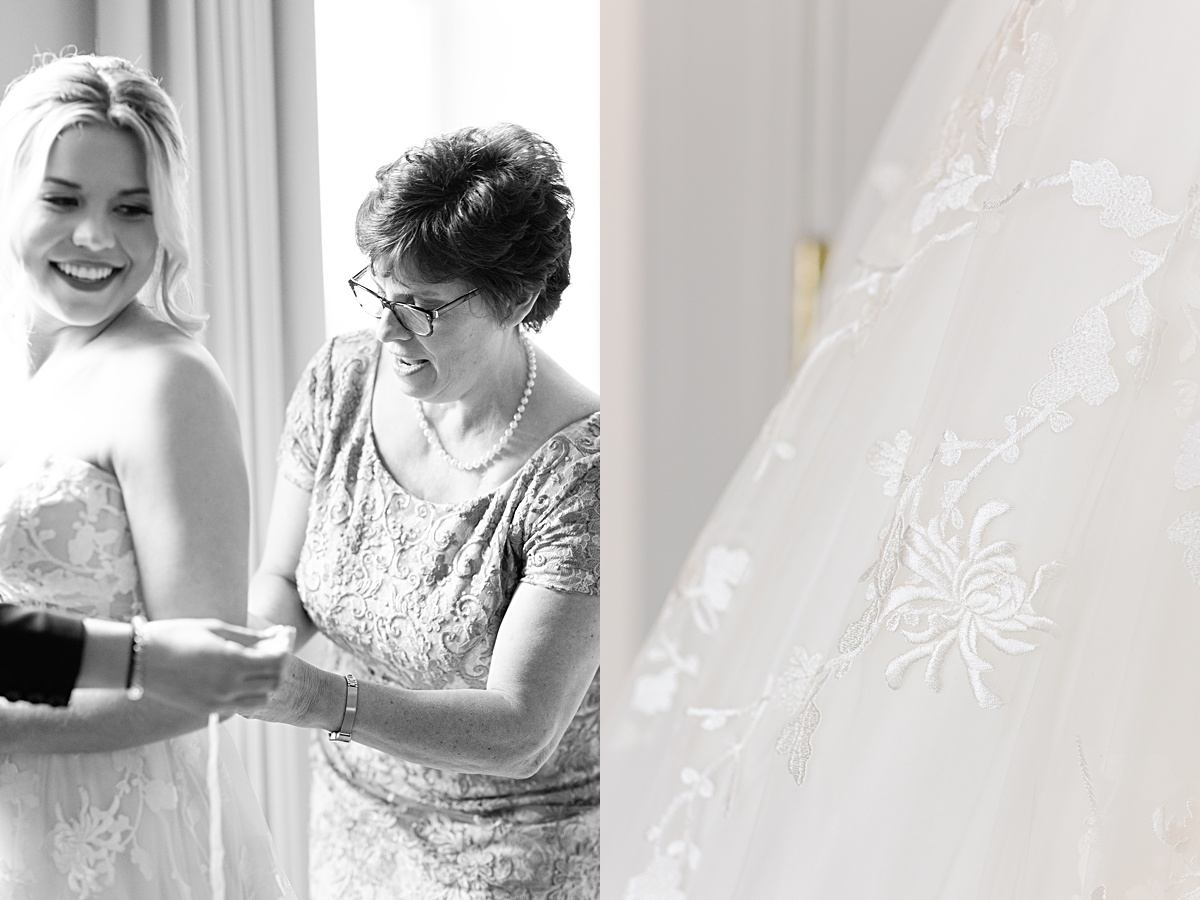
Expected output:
(154, 362)
(164, 388)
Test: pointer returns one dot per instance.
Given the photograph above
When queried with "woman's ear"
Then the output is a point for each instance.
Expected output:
(518, 314)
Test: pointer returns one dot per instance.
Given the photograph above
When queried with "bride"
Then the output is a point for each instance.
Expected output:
(938, 641)
(122, 494)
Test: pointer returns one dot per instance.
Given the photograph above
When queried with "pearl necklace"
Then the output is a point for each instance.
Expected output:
(490, 456)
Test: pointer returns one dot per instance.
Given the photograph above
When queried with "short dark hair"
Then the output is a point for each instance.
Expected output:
(484, 205)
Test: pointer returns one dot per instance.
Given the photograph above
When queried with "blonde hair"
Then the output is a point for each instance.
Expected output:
(61, 92)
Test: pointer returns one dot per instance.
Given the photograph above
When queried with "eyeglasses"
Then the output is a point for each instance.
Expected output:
(415, 319)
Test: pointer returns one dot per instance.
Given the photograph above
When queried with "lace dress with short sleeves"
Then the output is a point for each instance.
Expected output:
(127, 825)
(412, 593)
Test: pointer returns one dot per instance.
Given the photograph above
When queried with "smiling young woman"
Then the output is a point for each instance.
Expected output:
(86, 240)
(122, 490)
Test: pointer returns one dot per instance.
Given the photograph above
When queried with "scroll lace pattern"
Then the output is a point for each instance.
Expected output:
(412, 593)
(943, 584)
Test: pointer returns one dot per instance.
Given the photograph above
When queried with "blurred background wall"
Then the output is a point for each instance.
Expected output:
(732, 134)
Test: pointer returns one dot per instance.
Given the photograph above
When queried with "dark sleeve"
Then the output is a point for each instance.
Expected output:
(40, 654)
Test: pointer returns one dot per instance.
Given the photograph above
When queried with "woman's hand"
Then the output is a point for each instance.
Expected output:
(210, 666)
(307, 697)
(544, 660)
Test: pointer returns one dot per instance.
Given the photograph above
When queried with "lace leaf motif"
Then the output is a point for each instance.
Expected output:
(952, 191)
(1080, 365)
(1124, 201)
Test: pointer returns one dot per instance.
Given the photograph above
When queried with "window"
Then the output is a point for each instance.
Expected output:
(391, 73)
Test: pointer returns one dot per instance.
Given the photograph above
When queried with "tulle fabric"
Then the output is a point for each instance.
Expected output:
(938, 640)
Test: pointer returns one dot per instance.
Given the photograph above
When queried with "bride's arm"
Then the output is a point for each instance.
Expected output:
(176, 451)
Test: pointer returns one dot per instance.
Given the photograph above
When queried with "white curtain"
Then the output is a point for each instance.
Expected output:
(243, 75)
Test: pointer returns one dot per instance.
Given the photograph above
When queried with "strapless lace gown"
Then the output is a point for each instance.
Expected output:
(127, 824)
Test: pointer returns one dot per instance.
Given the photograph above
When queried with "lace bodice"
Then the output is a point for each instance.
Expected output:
(134, 823)
(64, 539)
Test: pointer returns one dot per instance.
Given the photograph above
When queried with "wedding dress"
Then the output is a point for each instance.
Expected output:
(133, 824)
(939, 640)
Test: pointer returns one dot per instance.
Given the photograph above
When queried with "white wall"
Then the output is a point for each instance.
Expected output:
(730, 130)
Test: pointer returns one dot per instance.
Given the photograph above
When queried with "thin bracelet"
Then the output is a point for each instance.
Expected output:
(346, 729)
(135, 686)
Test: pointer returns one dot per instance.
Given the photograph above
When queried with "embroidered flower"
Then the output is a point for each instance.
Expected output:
(653, 693)
(1175, 832)
(17, 787)
(952, 191)
(1178, 874)
(82, 547)
(888, 459)
(724, 569)
(794, 689)
(660, 881)
(960, 598)
(144, 861)
(129, 762)
(161, 796)
(85, 848)
(1027, 92)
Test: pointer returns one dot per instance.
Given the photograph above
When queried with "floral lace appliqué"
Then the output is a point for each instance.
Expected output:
(133, 822)
(946, 580)
(707, 595)
(86, 846)
(965, 595)
(1125, 202)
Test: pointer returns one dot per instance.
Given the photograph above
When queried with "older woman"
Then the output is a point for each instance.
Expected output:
(437, 517)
